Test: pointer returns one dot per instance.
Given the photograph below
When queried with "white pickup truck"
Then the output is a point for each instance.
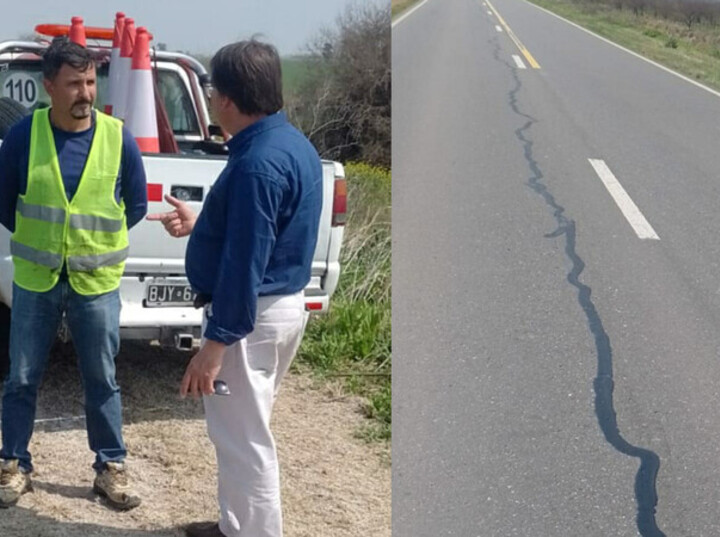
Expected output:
(156, 297)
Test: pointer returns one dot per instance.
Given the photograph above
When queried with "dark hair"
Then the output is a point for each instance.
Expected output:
(63, 51)
(248, 72)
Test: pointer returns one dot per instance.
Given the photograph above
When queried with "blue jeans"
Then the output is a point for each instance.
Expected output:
(94, 323)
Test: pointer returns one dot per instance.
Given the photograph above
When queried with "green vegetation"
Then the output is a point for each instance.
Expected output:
(398, 6)
(295, 71)
(686, 43)
(353, 341)
(342, 97)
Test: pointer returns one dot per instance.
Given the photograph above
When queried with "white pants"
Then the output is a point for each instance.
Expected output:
(239, 424)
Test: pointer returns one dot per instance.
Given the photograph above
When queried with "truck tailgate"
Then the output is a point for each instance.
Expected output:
(151, 249)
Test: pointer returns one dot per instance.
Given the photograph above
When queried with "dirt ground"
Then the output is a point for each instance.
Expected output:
(333, 484)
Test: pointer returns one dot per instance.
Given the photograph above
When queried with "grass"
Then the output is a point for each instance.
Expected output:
(354, 340)
(398, 6)
(693, 52)
(294, 72)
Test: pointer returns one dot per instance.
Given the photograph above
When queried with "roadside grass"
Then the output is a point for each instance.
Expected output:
(353, 341)
(398, 6)
(294, 71)
(693, 52)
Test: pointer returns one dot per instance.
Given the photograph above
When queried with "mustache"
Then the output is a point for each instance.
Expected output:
(76, 103)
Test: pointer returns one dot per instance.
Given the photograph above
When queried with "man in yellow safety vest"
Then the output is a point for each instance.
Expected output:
(71, 184)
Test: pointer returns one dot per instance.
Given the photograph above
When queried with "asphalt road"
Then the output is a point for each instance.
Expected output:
(554, 373)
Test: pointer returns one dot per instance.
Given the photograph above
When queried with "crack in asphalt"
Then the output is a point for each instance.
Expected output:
(603, 384)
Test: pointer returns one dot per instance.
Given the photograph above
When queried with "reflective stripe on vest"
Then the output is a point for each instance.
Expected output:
(92, 262)
(95, 223)
(41, 212)
(77, 221)
(28, 253)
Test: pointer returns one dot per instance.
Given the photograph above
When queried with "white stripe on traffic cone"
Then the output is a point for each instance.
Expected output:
(140, 115)
(124, 67)
(114, 74)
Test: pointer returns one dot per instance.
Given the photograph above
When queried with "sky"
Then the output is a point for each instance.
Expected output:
(184, 25)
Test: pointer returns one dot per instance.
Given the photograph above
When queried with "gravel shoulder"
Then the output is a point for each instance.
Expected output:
(333, 484)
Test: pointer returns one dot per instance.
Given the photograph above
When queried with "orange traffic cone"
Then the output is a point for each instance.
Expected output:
(140, 116)
(114, 74)
(77, 31)
(124, 66)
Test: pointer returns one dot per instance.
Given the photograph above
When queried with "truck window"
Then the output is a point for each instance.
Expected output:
(179, 105)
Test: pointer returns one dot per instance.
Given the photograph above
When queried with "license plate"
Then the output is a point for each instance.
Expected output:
(167, 294)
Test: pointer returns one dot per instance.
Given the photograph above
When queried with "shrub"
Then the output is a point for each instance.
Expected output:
(343, 104)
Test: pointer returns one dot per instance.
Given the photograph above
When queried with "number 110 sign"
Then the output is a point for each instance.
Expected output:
(21, 88)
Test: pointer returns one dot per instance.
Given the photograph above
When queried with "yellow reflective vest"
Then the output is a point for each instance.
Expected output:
(89, 234)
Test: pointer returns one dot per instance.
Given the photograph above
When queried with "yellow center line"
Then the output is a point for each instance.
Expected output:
(525, 52)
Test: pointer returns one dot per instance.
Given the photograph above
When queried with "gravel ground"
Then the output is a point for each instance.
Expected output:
(334, 485)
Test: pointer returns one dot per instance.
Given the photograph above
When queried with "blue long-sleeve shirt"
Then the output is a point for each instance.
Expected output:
(72, 150)
(258, 228)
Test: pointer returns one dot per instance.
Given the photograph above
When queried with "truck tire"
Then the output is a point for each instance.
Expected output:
(10, 113)
(4, 341)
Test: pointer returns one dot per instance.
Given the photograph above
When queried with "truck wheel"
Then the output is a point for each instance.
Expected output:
(4, 341)
(10, 113)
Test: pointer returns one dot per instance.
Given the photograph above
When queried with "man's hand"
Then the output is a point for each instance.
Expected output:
(178, 223)
(202, 370)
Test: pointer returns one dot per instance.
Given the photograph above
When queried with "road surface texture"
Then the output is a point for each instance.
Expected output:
(556, 276)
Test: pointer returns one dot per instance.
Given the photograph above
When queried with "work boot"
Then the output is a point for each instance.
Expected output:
(112, 484)
(203, 529)
(13, 483)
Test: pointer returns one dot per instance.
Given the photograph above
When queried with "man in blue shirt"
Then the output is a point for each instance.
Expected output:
(249, 256)
(29, 165)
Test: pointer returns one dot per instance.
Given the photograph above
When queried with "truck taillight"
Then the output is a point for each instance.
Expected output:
(339, 215)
